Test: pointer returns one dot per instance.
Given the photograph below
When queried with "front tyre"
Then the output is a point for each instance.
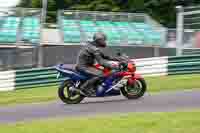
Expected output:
(66, 95)
(135, 91)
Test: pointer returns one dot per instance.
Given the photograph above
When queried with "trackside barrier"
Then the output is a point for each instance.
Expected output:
(157, 66)
(184, 64)
(36, 77)
(7, 80)
(152, 66)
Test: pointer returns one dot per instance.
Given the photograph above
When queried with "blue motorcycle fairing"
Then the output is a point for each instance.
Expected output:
(107, 82)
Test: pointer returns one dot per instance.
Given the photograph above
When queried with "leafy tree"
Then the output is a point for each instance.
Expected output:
(163, 11)
(25, 3)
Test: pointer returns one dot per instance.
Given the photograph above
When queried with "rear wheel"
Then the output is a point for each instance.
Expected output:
(67, 95)
(135, 91)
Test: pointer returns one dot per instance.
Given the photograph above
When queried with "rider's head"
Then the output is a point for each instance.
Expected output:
(100, 39)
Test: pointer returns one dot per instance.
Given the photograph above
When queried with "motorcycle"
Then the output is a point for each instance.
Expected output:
(124, 81)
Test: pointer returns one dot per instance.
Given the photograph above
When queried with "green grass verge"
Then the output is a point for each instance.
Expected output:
(175, 82)
(41, 94)
(155, 84)
(179, 122)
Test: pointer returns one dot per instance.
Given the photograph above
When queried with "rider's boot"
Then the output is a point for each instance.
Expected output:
(86, 88)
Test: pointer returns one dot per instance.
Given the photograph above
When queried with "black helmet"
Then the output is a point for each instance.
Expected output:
(100, 39)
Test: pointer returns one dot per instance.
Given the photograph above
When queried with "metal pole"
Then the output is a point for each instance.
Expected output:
(60, 25)
(19, 29)
(180, 29)
(44, 10)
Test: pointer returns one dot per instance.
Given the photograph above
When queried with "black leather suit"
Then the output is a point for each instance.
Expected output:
(88, 56)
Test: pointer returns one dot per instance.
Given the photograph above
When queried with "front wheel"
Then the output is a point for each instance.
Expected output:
(135, 91)
(68, 96)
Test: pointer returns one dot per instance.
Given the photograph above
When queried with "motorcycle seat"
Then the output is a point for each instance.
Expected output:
(68, 67)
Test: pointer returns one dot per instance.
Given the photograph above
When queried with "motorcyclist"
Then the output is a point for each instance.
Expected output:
(88, 56)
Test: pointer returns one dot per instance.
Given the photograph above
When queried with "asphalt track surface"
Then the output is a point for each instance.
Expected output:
(158, 102)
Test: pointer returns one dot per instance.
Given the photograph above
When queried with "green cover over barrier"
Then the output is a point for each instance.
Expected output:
(35, 77)
(184, 64)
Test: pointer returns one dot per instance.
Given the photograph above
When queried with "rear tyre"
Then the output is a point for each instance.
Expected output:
(135, 91)
(68, 96)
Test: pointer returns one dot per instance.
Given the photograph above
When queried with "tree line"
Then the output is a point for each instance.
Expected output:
(163, 11)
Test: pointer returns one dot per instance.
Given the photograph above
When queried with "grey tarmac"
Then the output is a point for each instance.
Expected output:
(154, 102)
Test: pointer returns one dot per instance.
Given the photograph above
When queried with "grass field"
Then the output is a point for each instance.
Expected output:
(179, 122)
(155, 84)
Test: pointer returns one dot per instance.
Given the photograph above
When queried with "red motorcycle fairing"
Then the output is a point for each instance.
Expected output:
(131, 72)
(138, 76)
(134, 77)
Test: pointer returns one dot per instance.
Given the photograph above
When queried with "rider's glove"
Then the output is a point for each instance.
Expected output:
(122, 66)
